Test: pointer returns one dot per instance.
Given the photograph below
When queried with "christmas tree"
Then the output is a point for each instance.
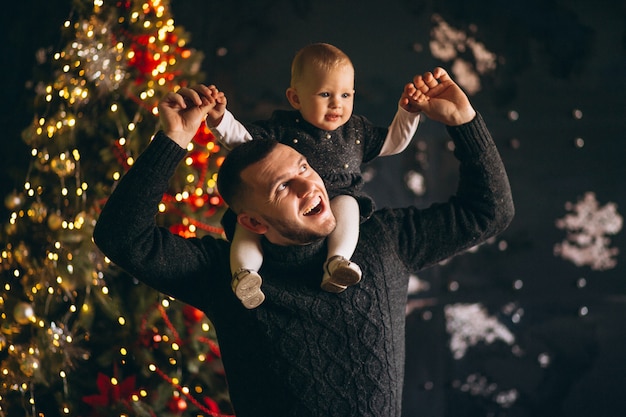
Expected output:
(78, 337)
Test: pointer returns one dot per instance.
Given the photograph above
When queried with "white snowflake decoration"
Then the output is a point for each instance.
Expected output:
(469, 324)
(479, 386)
(415, 182)
(416, 286)
(586, 242)
(447, 42)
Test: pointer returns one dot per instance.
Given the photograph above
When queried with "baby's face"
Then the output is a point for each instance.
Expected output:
(326, 98)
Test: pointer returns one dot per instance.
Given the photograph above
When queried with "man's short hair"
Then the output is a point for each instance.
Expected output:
(229, 182)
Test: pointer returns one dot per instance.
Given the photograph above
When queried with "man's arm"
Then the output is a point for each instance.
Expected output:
(126, 230)
(181, 112)
(482, 206)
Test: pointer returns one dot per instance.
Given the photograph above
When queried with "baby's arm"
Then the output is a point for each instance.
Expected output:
(230, 132)
(226, 129)
(401, 131)
(404, 124)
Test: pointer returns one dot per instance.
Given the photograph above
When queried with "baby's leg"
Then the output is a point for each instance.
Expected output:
(342, 241)
(339, 272)
(246, 258)
(245, 251)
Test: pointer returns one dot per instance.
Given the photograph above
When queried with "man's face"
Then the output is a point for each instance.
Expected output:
(288, 202)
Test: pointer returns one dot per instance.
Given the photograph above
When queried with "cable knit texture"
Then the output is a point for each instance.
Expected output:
(306, 352)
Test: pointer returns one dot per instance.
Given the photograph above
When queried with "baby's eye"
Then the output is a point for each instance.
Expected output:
(325, 95)
(346, 95)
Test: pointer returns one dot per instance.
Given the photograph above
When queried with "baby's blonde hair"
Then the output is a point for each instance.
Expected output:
(322, 56)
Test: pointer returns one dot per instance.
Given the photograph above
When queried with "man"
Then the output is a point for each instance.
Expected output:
(305, 352)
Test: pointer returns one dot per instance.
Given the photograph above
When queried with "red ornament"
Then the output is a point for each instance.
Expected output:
(203, 135)
(177, 404)
(199, 159)
(216, 200)
(192, 314)
(199, 201)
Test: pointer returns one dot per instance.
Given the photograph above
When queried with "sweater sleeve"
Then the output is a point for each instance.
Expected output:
(127, 232)
(482, 206)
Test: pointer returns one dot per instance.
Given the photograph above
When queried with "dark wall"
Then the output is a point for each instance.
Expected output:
(29, 26)
(561, 69)
(554, 58)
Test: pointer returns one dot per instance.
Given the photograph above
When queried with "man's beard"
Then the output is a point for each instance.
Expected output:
(297, 234)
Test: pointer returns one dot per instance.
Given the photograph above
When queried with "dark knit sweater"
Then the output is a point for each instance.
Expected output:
(306, 352)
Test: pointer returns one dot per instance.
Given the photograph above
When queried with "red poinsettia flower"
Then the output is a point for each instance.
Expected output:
(110, 394)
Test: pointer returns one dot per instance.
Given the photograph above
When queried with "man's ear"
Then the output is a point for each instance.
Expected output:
(252, 223)
(292, 96)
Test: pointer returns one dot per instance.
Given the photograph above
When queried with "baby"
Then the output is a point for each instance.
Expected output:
(335, 142)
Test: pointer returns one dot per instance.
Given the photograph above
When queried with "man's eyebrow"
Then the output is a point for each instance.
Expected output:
(282, 178)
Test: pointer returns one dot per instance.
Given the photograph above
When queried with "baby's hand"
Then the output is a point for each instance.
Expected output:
(217, 105)
(412, 99)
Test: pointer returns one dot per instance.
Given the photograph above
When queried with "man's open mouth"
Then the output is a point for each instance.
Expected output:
(315, 208)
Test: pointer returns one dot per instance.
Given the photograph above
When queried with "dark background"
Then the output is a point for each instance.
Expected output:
(554, 57)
